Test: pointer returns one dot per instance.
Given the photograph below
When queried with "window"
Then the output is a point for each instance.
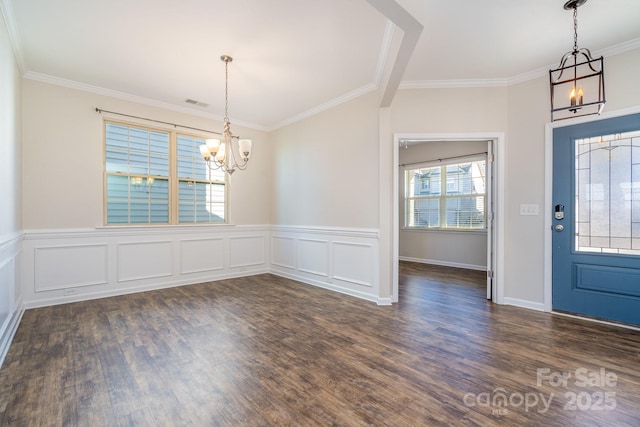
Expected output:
(446, 197)
(154, 176)
(607, 192)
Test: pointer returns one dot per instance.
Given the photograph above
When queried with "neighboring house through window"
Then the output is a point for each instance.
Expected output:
(446, 196)
(154, 176)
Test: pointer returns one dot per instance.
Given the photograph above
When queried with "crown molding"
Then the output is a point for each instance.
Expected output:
(619, 48)
(6, 8)
(326, 106)
(606, 52)
(72, 84)
(520, 78)
(385, 48)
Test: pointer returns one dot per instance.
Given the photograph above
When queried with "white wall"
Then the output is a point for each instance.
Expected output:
(452, 248)
(10, 123)
(10, 192)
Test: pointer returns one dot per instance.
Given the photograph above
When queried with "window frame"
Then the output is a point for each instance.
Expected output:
(173, 178)
(443, 195)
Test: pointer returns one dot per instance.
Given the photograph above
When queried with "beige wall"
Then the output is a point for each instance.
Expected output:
(436, 111)
(524, 184)
(450, 110)
(465, 249)
(325, 168)
(63, 171)
(521, 112)
(525, 180)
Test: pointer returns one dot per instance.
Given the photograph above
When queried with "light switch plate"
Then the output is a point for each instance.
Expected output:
(529, 210)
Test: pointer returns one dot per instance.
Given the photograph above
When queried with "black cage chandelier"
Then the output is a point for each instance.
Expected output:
(577, 85)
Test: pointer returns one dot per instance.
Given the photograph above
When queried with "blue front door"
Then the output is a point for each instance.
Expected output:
(596, 219)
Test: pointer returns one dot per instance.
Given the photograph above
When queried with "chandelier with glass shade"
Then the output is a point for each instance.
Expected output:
(231, 153)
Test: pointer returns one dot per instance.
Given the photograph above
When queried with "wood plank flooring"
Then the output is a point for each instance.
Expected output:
(265, 350)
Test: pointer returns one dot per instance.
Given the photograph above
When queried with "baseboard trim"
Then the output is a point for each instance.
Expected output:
(328, 286)
(10, 331)
(538, 306)
(444, 263)
(136, 289)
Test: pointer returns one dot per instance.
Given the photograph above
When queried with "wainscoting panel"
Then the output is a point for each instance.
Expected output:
(350, 262)
(144, 260)
(246, 251)
(340, 259)
(313, 256)
(201, 255)
(73, 265)
(60, 267)
(283, 252)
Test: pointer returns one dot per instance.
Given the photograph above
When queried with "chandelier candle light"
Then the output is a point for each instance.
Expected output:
(583, 81)
(221, 154)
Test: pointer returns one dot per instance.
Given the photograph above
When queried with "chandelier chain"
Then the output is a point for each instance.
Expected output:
(575, 28)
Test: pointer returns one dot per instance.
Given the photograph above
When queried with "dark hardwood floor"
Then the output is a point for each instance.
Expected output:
(265, 350)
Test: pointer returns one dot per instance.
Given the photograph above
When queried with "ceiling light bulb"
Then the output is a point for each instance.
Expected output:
(213, 145)
(204, 152)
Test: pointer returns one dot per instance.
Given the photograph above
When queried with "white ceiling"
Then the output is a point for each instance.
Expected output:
(295, 57)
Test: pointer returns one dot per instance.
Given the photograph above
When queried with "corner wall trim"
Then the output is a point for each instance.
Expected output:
(10, 331)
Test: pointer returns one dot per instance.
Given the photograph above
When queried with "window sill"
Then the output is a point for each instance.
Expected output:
(161, 226)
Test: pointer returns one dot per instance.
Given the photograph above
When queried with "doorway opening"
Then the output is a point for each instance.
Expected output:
(456, 152)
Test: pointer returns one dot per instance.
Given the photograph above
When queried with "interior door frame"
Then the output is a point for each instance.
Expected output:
(497, 239)
(548, 191)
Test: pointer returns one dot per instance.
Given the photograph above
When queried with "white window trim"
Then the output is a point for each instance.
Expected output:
(443, 196)
(172, 178)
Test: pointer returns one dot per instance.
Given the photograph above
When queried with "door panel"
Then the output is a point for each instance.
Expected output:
(596, 237)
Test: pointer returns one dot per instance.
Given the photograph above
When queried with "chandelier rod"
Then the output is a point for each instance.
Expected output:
(100, 110)
(226, 60)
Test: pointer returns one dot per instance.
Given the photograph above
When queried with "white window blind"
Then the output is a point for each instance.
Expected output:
(201, 192)
(137, 168)
(153, 176)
